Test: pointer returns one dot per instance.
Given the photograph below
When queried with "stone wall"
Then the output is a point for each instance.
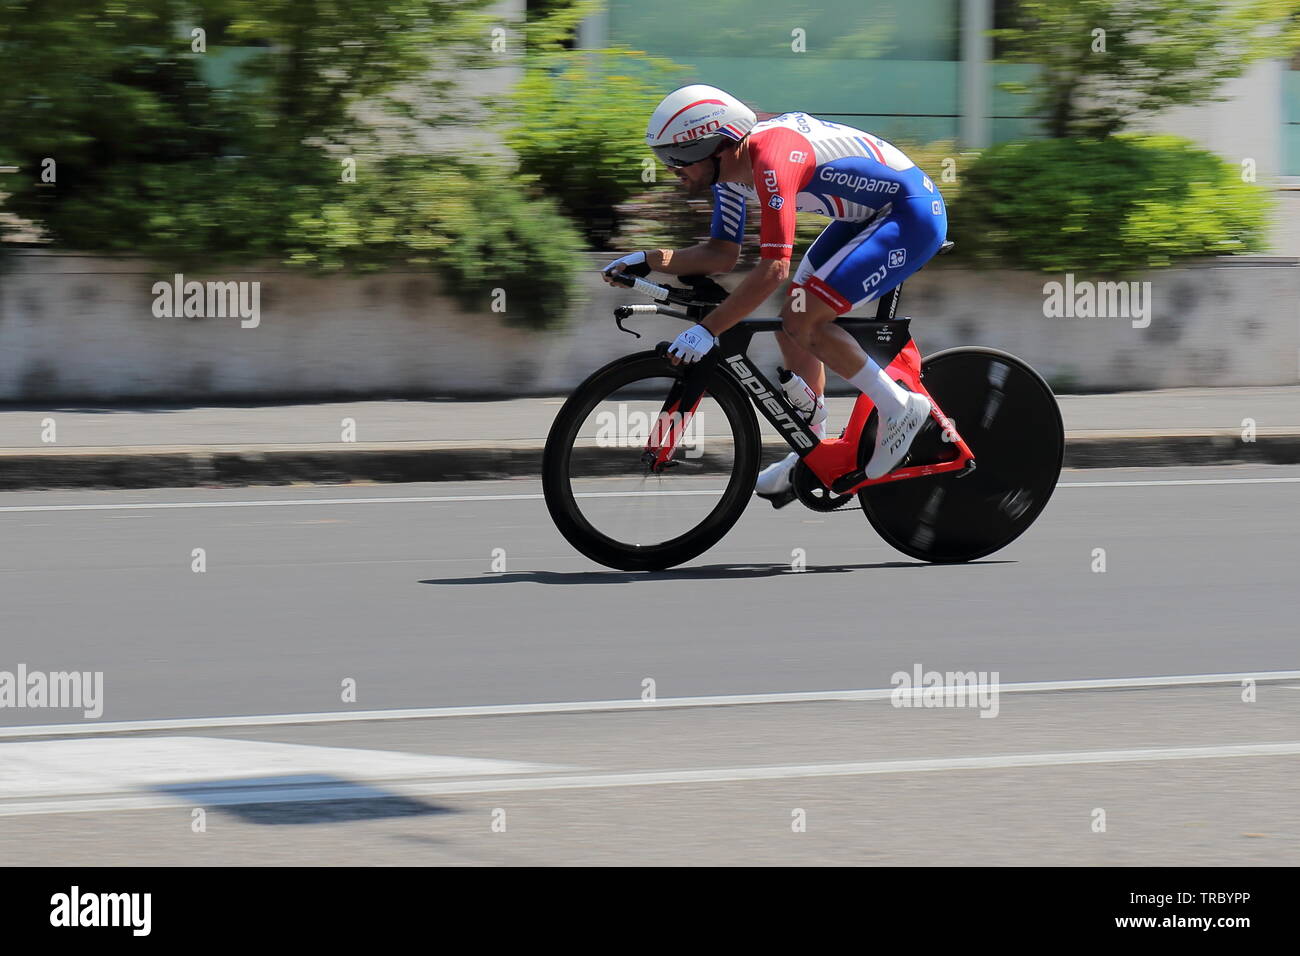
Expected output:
(83, 328)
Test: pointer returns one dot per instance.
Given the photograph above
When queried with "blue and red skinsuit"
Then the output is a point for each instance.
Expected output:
(889, 217)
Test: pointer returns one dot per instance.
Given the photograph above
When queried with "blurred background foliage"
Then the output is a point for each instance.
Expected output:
(1101, 64)
(577, 121)
(201, 159)
(1085, 198)
(1113, 205)
(234, 154)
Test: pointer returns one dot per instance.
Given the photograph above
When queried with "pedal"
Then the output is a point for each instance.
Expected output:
(778, 500)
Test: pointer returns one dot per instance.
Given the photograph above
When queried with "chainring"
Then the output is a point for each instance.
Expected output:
(808, 488)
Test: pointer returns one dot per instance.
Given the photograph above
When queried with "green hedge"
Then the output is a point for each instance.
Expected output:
(1115, 205)
(476, 225)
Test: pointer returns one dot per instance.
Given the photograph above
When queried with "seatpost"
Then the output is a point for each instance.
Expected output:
(889, 304)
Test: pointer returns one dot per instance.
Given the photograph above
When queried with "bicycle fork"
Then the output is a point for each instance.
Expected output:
(686, 393)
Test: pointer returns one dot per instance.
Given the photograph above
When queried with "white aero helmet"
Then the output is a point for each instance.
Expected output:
(691, 123)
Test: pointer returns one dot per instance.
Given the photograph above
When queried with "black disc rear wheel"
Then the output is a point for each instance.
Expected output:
(606, 498)
(1008, 416)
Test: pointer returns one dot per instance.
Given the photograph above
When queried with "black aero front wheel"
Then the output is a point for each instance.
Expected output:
(606, 498)
(1009, 418)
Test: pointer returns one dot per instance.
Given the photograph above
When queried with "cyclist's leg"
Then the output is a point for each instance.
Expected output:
(797, 357)
(870, 262)
(774, 480)
(882, 258)
(802, 362)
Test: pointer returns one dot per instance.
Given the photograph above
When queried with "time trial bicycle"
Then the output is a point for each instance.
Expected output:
(649, 464)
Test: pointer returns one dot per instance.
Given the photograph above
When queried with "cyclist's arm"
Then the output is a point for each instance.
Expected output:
(764, 279)
(706, 258)
(783, 163)
(720, 252)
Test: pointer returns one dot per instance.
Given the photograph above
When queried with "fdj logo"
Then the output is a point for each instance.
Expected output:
(873, 280)
(769, 179)
(776, 202)
(897, 257)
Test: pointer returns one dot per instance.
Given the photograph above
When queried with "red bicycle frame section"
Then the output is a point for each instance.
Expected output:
(833, 460)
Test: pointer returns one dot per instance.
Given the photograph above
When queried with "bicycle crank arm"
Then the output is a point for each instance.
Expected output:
(844, 484)
(857, 479)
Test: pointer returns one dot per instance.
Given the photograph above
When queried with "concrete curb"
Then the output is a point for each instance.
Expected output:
(278, 465)
(1161, 451)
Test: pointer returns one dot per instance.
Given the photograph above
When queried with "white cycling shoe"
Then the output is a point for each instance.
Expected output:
(774, 480)
(894, 438)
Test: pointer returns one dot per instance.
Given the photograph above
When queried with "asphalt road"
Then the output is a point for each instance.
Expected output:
(401, 598)
(299, 599)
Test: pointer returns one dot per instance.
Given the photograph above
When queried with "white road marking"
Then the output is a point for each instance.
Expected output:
(1177, 481)
(291, 502)
(598, 706)
(436, 499)
(741, 774)
(287, 791)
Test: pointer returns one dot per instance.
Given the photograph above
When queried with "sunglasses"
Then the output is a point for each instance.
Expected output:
(674, 162)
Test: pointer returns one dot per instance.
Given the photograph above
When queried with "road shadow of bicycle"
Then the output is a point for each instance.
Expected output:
(707, 572)
(324, 798)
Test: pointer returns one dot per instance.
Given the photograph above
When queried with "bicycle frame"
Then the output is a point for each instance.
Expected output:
(833, 460)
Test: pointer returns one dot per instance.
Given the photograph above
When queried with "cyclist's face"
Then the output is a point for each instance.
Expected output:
(695, 178)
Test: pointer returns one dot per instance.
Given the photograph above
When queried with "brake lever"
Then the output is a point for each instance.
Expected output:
(621, 313)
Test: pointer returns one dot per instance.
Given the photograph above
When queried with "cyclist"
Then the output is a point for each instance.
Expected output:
(888, 220)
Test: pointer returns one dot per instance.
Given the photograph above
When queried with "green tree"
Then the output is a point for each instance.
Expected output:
(577, 121)
(111, 88)
(1101, 63)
